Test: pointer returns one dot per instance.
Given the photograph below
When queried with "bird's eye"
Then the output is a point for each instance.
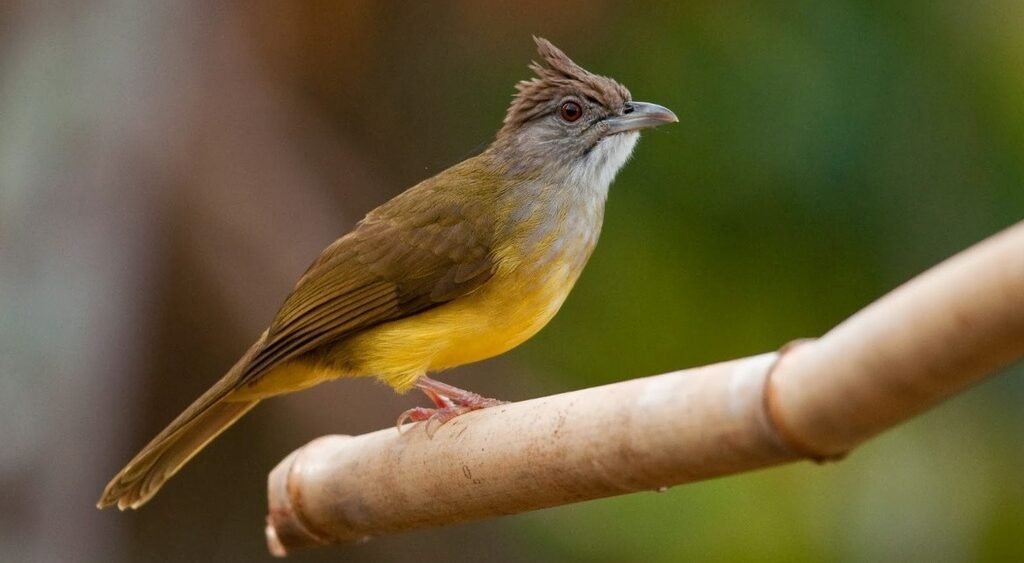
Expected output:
(570, 111)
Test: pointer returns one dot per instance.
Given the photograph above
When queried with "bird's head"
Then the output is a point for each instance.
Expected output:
(569, 121)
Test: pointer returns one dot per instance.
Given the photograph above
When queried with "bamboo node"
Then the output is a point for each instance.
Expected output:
(776, 420)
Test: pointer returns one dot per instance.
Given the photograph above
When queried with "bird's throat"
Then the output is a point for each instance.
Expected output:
(598, 167)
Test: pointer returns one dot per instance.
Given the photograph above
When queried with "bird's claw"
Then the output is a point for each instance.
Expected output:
(436, 418)
(416, 414)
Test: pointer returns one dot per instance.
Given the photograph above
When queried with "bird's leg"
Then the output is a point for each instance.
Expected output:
(439, 400)
(449, 400)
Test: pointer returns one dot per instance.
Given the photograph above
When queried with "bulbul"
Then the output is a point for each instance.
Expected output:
(461, 267)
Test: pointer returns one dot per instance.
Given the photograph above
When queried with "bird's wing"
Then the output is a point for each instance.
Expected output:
(416, 252)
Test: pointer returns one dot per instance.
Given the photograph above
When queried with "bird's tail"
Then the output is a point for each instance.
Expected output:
(201, 422)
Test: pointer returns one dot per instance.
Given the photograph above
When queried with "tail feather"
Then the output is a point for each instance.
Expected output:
(162, 458)
(201, 422)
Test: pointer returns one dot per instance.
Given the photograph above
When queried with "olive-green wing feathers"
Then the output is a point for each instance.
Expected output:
(408, 256)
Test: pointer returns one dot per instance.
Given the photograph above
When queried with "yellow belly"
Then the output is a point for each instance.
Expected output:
(499, 316)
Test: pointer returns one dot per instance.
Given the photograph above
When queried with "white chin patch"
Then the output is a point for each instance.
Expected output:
(598, 169)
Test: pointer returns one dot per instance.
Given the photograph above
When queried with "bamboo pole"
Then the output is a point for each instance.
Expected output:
(920, 344)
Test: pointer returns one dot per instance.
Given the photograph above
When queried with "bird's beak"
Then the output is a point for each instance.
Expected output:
(640, 115)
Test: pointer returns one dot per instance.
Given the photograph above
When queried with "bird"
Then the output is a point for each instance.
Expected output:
(461, 267)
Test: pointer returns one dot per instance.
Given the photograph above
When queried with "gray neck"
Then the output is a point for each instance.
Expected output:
(556, 210)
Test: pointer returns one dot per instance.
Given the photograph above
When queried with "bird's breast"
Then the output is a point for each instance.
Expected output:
(538, 264)
(513, 306)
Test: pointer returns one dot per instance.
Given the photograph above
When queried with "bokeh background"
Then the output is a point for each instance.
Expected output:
(168, 169)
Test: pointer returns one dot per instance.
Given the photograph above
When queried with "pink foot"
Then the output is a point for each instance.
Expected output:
(450, 401)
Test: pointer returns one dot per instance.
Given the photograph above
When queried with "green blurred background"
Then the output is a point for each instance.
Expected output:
(168, 169)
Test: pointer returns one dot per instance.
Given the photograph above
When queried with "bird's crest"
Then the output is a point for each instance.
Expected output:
(557, 76)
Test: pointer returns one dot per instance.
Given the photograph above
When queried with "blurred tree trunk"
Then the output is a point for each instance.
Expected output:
(156, 187)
